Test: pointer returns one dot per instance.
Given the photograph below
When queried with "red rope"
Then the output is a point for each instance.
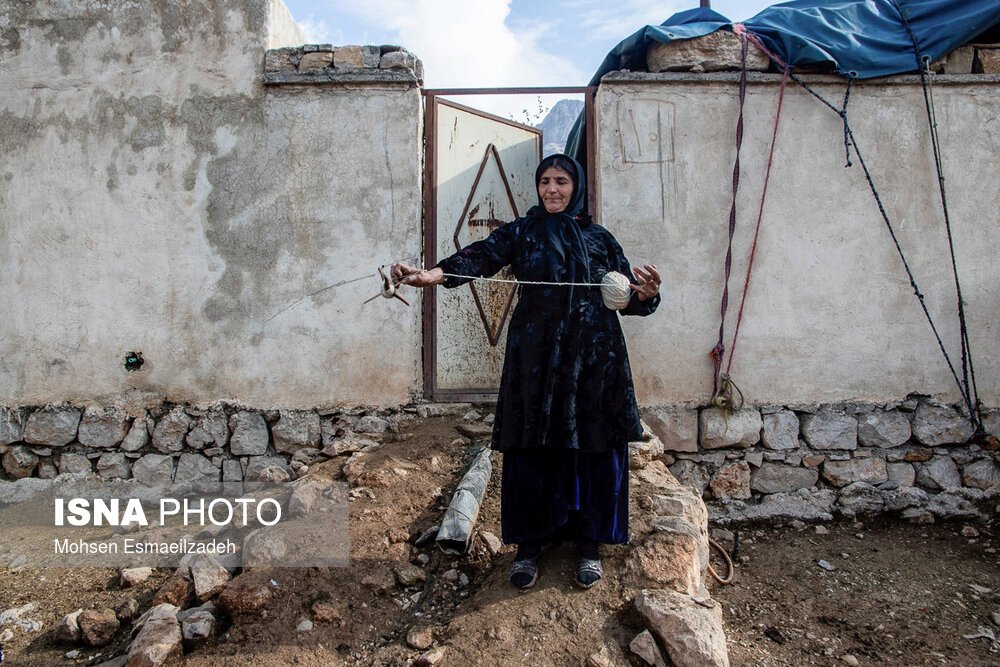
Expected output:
(760, 216)
(741, 30)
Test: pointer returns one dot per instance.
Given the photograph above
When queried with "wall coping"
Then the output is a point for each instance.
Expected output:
(359, 76)
(327, 64)
(624, 76)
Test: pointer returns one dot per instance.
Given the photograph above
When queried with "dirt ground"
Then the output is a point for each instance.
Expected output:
(898, 594)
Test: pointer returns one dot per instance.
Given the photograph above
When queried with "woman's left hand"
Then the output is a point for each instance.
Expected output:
(649, 281)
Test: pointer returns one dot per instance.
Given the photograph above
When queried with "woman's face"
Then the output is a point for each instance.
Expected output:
(555, 188)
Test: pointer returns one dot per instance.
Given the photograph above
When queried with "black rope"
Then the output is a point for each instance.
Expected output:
(812, 92)
(923, 66)
(849, 136)
(843, 115)
(906, 265)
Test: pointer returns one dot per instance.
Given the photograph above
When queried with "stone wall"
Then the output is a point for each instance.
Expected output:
(165, 195)
(917, 457)
(181, 443)
(326, 63)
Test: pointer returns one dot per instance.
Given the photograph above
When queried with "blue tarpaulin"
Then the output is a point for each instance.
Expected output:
(855, 38)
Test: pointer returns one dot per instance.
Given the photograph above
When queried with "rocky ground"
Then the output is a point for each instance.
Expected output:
(872, 592)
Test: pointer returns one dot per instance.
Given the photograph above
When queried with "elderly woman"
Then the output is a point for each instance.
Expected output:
(566, 409)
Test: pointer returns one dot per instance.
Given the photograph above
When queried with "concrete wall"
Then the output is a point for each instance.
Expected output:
(158, 198)
(282, 30)
(830, 314)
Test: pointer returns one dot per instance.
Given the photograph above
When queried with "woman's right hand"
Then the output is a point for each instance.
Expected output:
(410, 275)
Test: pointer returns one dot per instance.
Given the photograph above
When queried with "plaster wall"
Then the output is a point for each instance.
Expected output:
(830, 314)
(158, 198)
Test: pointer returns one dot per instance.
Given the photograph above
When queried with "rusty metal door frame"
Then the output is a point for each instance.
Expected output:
(430, 209)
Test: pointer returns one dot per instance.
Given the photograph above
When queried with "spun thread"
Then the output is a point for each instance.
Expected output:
(614, 286)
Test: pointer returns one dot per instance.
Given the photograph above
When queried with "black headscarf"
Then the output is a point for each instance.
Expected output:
(578, 200)
(563, 228)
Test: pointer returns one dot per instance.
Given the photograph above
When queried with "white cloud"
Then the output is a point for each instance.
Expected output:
(599, 20)
(317, 31)
(468, 44)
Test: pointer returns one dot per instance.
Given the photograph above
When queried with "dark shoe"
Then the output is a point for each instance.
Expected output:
(524, 574)
(588, 572)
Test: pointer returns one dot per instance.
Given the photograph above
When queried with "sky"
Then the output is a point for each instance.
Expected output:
(497, 43)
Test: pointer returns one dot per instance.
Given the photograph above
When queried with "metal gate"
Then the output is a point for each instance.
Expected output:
(479, 175)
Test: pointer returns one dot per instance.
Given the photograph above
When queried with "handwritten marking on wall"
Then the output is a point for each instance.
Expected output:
(646, 130)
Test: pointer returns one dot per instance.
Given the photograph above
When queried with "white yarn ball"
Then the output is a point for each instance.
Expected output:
(615, 290)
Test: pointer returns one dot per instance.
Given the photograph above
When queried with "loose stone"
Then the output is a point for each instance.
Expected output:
(644, 646)
(714, 52)
(133, 576)
(159, 640)
(419, 638)
(492, 542)
(197, 627)
(98, 627)
(431, 658)
(68, 630)
(693, 634)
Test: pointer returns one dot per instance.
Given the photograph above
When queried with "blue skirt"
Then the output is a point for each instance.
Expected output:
(564, 493)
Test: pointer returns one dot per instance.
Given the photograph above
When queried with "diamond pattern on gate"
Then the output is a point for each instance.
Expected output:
(490, 205)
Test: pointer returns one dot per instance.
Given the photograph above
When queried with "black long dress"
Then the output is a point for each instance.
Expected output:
(566, 409)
